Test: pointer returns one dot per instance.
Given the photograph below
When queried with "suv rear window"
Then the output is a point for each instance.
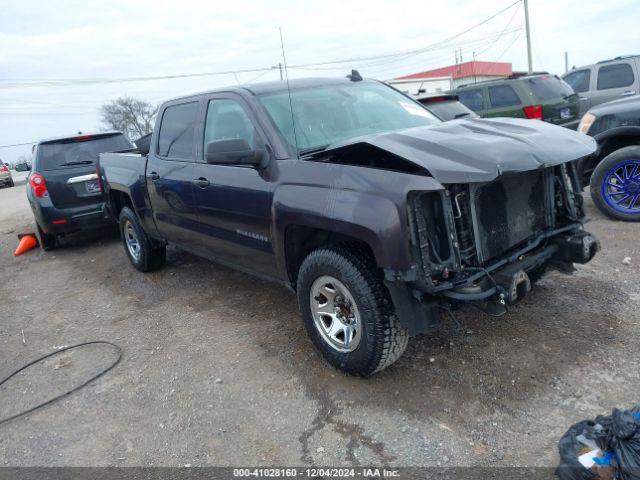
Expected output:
(73, 152)
(549, 87)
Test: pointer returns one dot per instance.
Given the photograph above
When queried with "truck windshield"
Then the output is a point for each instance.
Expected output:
(328, 114)
(76, 151)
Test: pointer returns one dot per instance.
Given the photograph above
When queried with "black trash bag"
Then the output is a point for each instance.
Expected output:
(624, 441)
(618, 433)
(570, 468)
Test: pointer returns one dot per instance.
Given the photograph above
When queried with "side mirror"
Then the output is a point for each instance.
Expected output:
(235, 151)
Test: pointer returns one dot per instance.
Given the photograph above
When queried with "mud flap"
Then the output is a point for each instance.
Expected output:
(415, 314)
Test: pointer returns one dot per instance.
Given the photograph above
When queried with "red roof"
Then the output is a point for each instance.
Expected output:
(467, 69)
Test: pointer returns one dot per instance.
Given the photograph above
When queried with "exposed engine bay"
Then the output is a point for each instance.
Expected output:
(487, 241)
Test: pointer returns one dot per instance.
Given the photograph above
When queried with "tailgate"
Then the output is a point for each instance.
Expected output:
(561, 110)
(73, 187)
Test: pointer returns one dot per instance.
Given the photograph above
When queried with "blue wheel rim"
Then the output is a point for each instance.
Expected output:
(621, 187)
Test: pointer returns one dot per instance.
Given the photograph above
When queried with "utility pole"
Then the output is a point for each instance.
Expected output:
(566, 62)
(528, 31)
(280, 68)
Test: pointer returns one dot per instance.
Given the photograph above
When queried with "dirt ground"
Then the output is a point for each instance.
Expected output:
(217, 370)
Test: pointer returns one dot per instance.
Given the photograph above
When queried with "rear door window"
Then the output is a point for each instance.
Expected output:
(503, 96)
(579, 80)
(549, 87)
(74, 152)
(472, 98)
(177, 131)
(615, 76)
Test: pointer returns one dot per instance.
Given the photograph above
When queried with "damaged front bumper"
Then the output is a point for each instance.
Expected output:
(507, 281)
(487, 243)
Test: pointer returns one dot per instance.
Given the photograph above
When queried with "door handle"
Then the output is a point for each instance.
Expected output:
(583, 98)
(201, 182)
(628, 93)
(153, 176)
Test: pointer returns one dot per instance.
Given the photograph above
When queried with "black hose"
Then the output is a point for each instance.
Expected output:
(55, 399)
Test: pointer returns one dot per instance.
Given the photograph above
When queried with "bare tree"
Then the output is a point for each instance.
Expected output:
(131, 116)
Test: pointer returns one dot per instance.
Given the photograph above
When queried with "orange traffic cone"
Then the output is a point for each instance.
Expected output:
(27, 242)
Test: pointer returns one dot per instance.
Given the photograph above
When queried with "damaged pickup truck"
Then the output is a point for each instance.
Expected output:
(376, 213)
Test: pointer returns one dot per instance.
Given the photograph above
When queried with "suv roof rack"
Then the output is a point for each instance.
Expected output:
(513, 76)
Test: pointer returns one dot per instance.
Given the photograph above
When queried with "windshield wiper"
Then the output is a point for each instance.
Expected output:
(464, 114)
(79, 162)
(310, 151)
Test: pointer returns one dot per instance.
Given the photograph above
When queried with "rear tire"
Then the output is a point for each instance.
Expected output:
(11, 184)
(353, 276)
(605, 193)
(144, 253)
(47, 241)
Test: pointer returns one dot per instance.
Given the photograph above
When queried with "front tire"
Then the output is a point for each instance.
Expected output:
(144, 253)
(615, 185)
(347, 311)
(11, 183)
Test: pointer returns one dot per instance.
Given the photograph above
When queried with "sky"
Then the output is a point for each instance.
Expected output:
(61, 60)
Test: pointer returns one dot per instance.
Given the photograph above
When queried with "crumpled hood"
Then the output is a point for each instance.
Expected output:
(479, 150)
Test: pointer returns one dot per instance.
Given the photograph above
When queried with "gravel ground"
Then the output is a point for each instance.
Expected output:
(217, 369)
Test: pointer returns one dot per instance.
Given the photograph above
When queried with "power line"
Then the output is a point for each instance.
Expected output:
(400, 54)
(468, 46)
(18, 144)
(515, 39)
(503, 31)
(379, 67)
(419, 50)
(91, 81)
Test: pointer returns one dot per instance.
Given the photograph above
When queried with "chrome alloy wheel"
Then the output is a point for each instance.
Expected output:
(335, 314)
(131, 239)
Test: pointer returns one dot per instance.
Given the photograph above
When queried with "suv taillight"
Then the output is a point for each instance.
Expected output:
(4, 168)
(38, 185)
(533, 112)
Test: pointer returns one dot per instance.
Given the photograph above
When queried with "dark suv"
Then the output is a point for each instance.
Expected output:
(63, 188)
(540, 97)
